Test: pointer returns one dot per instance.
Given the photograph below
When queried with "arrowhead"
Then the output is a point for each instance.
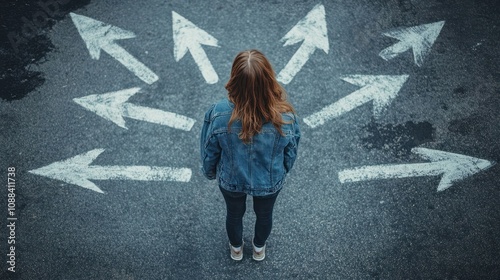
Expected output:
(72, 171)
(419, 38)
(312, 29)
(382, 89)
(97, 34)
(187, 36)
(108, 105)
(455, 166)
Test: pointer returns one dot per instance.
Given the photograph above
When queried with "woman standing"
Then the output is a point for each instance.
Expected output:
(249, 143)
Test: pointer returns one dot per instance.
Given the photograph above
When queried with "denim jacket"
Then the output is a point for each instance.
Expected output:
(257, 168)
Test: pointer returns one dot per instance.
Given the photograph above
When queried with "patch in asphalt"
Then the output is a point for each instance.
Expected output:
(398, 139)
(24, 41)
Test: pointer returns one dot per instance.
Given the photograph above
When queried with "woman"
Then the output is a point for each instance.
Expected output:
(249, 143)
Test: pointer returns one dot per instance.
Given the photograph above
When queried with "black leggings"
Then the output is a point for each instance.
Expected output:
(236, 207)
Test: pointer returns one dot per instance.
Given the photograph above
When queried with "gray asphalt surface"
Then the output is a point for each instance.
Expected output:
(379, 229)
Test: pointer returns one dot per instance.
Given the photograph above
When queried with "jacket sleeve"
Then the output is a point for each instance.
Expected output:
(209, 147)
(292, 147)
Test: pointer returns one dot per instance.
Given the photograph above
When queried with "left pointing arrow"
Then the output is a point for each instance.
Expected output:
(98, 35)
(113, 106)
(78, 171)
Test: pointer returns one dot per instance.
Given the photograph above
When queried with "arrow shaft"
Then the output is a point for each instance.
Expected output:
(296, 63)
(367, 173)
(157, 116)
(340, 107)
(136, 173)
(394, 50)
(203, 63)
(129, 61)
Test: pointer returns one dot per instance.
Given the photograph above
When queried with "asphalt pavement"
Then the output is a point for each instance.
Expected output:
(102, 104)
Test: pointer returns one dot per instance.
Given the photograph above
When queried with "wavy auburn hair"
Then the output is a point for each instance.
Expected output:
(256, 94)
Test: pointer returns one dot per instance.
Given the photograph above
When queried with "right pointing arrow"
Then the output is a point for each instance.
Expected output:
(113, 106)
(453, 167)
(312, 30)
(188, 36)
(419, 38)
(381, 89)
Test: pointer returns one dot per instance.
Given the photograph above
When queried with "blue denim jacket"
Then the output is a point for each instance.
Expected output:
(257, 168)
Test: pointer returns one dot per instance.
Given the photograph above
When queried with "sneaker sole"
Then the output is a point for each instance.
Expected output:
(237, 259)
(259, 259)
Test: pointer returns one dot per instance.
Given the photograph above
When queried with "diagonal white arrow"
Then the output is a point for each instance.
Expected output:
(419, 38)
(453, 167)
(98, 35)
(312, 30)
(113, 106)
(188, 36)
(381, 89)
(78, 171)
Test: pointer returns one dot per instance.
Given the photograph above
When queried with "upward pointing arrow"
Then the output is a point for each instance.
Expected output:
(419, 38)
(78, 171)
(113, 106)
(98, 35)
(453, 167)
(312, 30)
(381, 89)
(188, 36)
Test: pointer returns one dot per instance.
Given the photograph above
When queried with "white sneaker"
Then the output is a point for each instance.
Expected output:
(259, 256)
(236, 255)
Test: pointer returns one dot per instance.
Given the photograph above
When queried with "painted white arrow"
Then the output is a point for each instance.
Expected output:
(77, 171)
(188, 36)
(419, 38)
(113, 106)
(98, 35)
(381, 89)
(312, 30)
(453, 167)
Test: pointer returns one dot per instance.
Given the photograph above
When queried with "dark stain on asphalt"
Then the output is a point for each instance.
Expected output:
(467, 126)
(24, 41)
(459, 92)
(398, 139)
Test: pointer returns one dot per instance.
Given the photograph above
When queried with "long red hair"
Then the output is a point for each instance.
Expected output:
(256, 94)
